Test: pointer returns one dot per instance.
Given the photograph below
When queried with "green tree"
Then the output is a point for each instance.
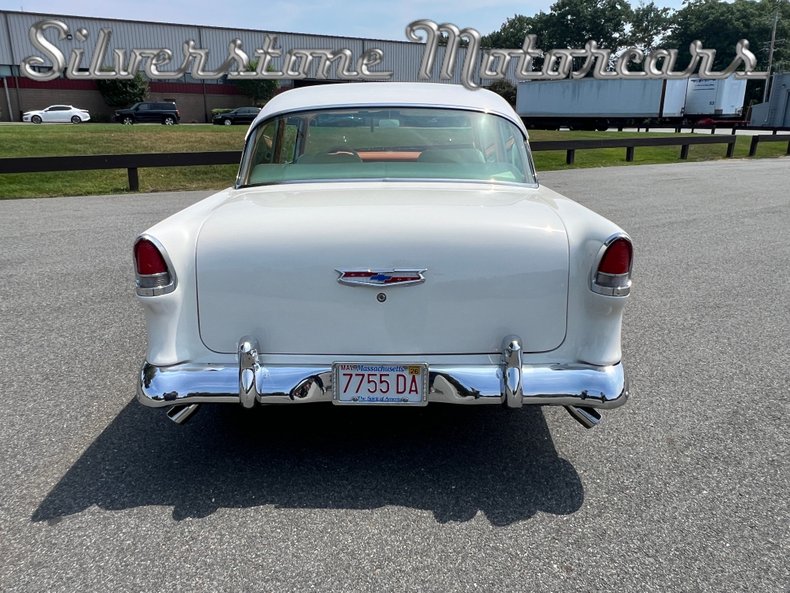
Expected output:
(512, 32)
(571, 23)
(719, 25)
(649, 25)
(258, 90)
(614, 24)
(122, 93)
(505, 89)
(568, 24)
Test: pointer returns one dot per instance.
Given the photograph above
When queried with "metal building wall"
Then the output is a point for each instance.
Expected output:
(125, 35)
(6, 57)
(402, 58)
(779, 113)
(776, 112)
(218, 40)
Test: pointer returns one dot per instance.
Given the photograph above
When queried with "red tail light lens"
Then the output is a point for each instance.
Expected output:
(147, 258)
(613, 274)
(153, 275)
(617, 259)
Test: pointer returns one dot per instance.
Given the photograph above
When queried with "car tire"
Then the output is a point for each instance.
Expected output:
(36, 119)
(168, 120)
(127, 120)
(75, 119)
(227, 122)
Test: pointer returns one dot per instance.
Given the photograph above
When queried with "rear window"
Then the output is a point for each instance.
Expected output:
(386, 143)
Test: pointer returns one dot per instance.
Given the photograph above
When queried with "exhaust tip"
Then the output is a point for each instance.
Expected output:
(587, 417)
(180, 414)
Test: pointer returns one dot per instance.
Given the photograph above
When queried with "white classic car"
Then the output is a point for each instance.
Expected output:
(57, 114)
(384, 244)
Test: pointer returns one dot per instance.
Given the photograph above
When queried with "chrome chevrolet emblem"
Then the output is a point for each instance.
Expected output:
(381, 277)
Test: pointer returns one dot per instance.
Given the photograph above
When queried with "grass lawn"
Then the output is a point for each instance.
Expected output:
(56, 140)
(643, 155)
(62, 140)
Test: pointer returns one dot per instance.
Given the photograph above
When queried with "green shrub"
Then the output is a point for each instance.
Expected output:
(504, 89)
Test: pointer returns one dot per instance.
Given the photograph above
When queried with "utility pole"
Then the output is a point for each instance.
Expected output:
(771, 54)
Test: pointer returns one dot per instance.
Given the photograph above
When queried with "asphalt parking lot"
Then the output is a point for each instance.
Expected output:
(684, 489)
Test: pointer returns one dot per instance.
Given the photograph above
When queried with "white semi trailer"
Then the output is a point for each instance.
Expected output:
(592, 103)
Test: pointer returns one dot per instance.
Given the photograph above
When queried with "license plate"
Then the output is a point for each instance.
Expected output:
(380, 384)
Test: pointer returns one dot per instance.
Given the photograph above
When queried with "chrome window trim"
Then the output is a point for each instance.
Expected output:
(512, 184)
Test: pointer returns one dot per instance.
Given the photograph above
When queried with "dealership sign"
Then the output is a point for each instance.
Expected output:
(462, 46)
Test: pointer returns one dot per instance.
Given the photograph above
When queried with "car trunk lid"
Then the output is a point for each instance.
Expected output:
(495, 263)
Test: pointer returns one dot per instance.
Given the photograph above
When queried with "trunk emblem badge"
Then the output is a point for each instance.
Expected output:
(381, 277)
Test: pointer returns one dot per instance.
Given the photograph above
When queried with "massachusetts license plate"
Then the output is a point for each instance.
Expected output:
(380, 383)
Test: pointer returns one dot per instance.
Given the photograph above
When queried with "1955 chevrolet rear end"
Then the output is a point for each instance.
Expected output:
(385, 244)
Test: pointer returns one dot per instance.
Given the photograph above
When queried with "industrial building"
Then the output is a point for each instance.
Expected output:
(194, 97)
(775, 113)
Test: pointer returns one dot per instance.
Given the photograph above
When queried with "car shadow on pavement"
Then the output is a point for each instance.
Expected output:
(451, 460)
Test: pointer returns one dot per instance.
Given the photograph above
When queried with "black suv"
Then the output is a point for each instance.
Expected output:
(149, 111)
(240, 115)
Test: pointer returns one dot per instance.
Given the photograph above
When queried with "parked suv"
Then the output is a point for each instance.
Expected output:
(149, 111)
(240, 115)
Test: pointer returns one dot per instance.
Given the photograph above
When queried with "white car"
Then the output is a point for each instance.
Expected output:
(385, 244)
(57, 114)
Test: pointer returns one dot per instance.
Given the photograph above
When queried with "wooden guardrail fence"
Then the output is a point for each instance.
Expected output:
(757, 138)
(133, 162)
(571, 146)
(130, 162)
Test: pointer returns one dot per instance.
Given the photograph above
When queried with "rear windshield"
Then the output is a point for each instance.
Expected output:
(392, 144)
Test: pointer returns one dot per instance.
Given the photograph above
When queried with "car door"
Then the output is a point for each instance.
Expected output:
(144, 113)
(54, 114)
(250, 114)
(63, 113)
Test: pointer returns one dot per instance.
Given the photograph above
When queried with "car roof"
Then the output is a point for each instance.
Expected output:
(388, 94)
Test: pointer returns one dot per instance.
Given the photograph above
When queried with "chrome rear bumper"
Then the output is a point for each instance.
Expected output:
(512, 383)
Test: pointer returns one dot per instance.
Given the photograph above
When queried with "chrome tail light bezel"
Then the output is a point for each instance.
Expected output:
(154, 284)
(617, 285)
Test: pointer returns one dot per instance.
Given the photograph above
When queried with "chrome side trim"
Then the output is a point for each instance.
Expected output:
(561, 384)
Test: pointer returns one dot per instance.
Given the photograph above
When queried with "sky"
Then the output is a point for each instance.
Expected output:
(352, 18)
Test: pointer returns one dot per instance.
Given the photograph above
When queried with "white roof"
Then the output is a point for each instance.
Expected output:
(389, 94)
